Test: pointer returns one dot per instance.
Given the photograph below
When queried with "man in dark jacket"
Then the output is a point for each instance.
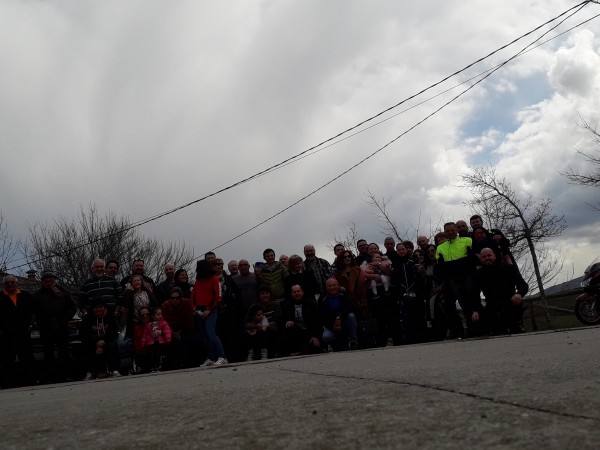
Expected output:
(302, 325)
(504, 289)
(164, 288)
(497, 235)
(16, 309)
(137, 268)
(54, 307)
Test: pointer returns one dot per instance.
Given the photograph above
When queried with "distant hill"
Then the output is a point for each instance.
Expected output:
(575, 283)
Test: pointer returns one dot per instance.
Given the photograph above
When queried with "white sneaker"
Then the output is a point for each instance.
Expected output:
(115, 374)
(88, 377)
(207, 363)
(221, 361)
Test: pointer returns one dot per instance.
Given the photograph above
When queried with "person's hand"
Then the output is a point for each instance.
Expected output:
(497, 238)
(421, 268)
(314, 341)
(516, 299)
(264, 327)
(289, 324)
(475, 317)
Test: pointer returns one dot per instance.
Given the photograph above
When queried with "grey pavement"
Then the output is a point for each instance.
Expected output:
(539, 390)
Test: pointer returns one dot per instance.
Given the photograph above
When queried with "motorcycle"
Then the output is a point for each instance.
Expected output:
(587, 305)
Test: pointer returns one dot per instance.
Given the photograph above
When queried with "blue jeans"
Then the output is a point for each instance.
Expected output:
(212, 343)
(349, 327)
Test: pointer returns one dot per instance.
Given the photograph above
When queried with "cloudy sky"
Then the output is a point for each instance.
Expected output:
(141, 106)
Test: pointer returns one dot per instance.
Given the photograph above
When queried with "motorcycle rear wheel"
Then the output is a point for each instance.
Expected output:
(587, 309)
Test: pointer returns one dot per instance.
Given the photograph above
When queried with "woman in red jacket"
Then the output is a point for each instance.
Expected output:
(205, 298)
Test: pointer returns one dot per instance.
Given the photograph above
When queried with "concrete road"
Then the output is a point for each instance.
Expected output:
(528, 391)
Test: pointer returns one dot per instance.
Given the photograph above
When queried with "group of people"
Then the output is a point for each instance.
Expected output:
(285, 306)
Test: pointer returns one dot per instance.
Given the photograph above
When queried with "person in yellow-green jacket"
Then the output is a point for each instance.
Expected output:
(457, 267)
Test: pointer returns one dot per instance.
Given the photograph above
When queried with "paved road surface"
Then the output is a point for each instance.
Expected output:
(528, 391)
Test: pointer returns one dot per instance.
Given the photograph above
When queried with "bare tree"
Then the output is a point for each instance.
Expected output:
(526, 222)
(389, 226)
(8, 247)
(590, 178)
(70, 245)
(348, 239)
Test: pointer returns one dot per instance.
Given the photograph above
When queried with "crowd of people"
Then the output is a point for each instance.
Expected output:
(286, 306)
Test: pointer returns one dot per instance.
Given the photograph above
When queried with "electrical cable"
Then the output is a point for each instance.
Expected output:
(337, 177)
(297, 156)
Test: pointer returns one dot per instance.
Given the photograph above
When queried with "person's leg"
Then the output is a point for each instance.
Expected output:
(8, 367)
(351, 329)
(208, 348)
(514, 317)
(374, 287)
(273, 341)
(378, 311)
(111, 351)
(386, 283)
(455, 324)
(393, 318)
(211, 332)
(329, 338)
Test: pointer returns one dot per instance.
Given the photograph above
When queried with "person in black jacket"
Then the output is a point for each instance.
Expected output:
(230, 316)
(302, 324)
(16, 310)
(54, 307)
(98, 332)
(297, 275)
(410, 296)
(504, 289)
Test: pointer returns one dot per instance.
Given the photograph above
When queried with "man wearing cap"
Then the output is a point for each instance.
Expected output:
(54, 307)
(16, 309)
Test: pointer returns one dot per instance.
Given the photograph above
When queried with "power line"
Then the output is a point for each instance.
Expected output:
(301, 154)
(337, 177)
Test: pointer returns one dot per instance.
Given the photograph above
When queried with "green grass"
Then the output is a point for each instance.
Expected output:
(558, 319)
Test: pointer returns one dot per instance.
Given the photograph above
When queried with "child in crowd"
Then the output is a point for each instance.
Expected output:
(256, 325)
(377, 262)
(98, 332)
(140, 352)
(157, 334)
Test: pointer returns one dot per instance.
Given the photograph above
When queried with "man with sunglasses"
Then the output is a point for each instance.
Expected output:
(16, 309)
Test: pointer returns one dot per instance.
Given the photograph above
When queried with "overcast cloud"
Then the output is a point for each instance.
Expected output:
(140, 106)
